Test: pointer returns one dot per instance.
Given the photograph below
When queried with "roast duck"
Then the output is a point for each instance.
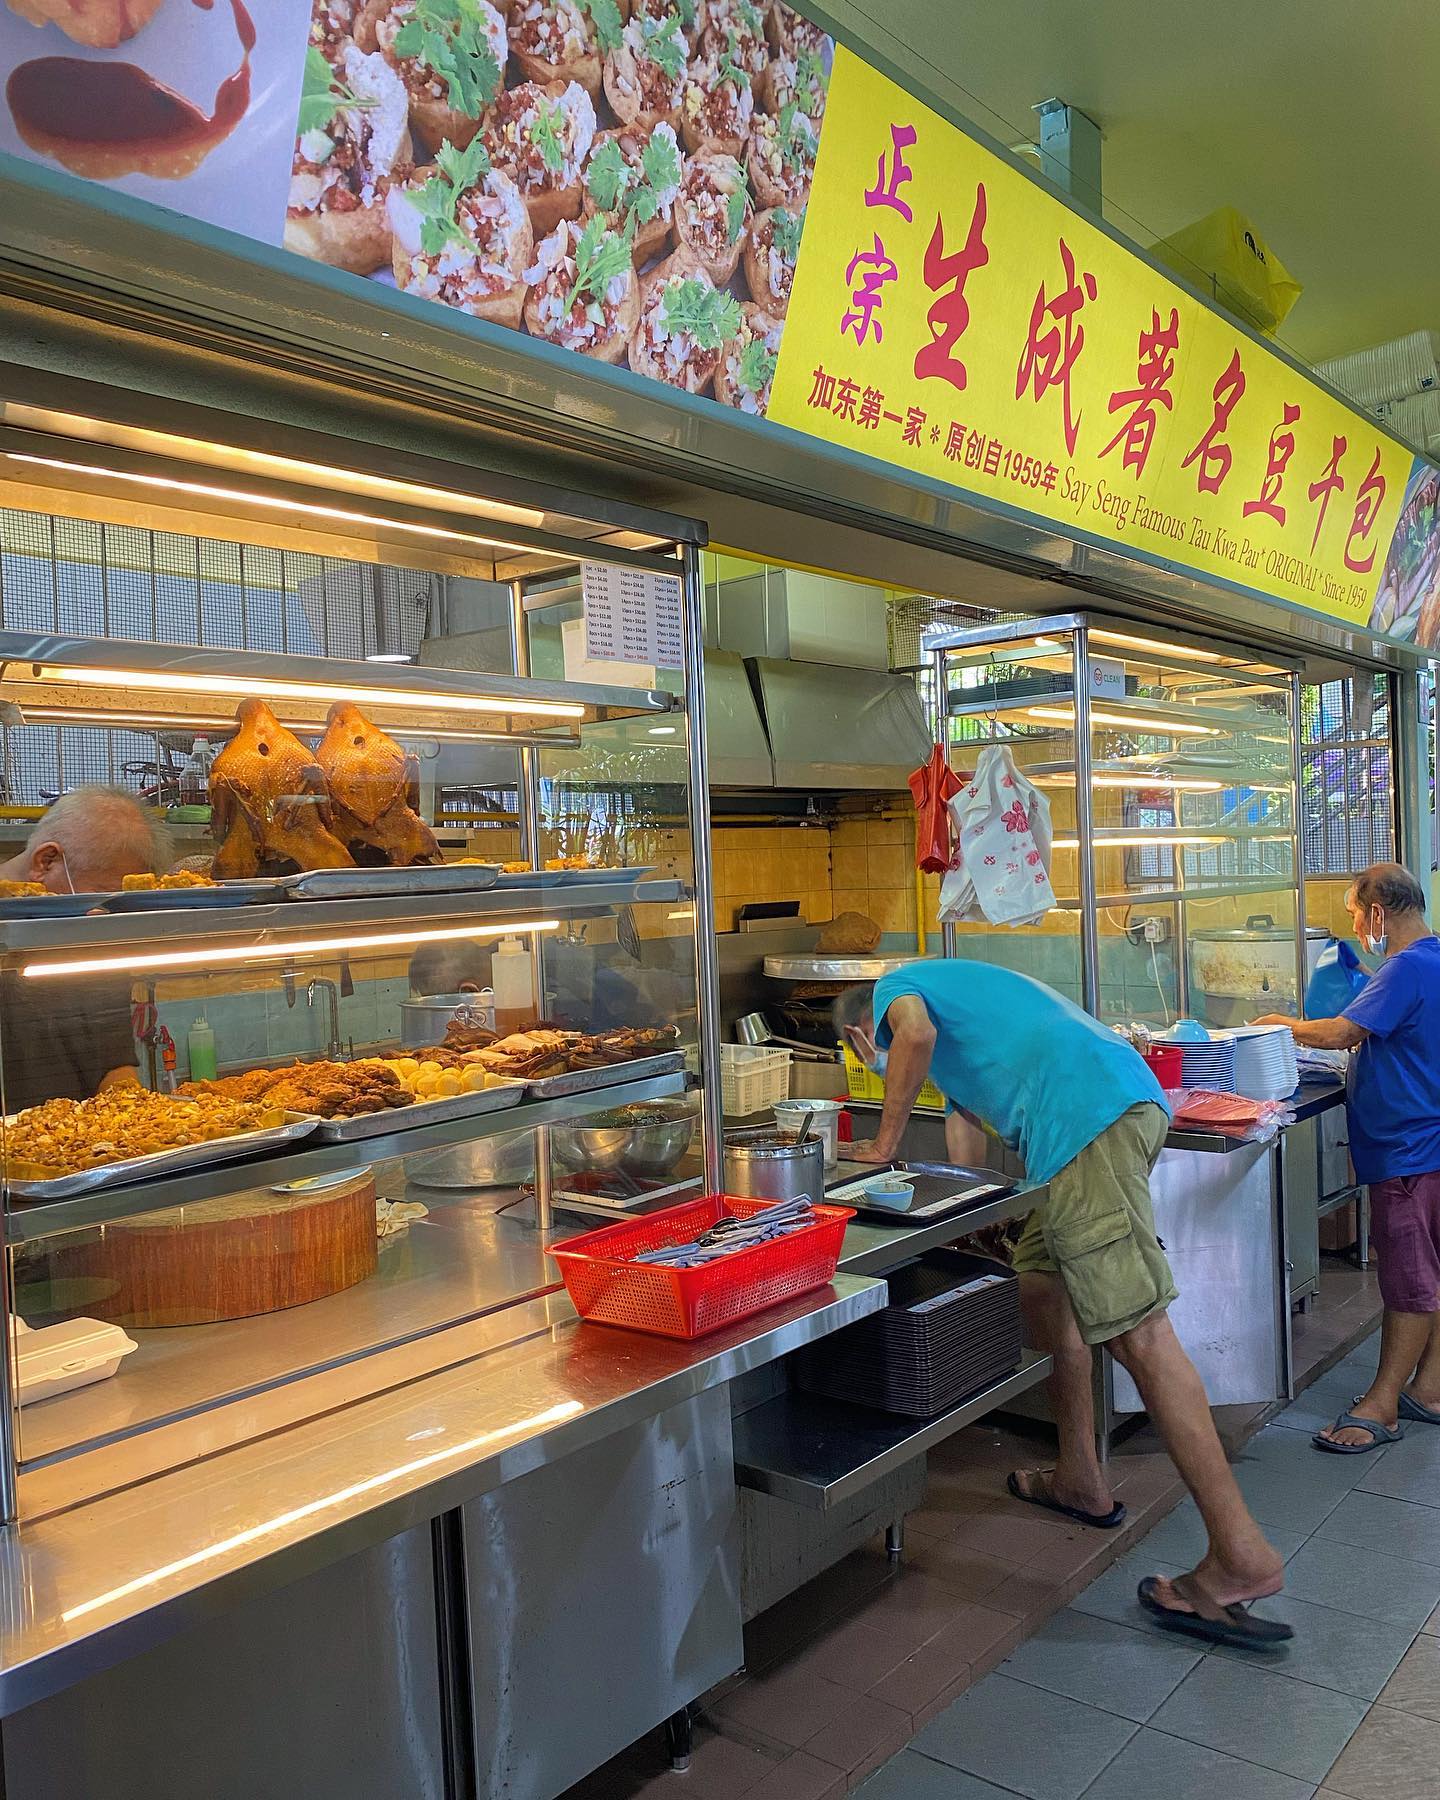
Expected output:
(374, 790)
(277, 806)
(270, 811)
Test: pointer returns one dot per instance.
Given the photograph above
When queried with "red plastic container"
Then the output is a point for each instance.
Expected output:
(606, 1286)
(1167, 1062)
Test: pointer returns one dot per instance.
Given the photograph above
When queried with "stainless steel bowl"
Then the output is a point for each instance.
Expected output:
(647, 1139)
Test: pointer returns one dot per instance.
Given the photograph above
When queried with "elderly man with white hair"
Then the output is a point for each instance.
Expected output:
(79, 1038)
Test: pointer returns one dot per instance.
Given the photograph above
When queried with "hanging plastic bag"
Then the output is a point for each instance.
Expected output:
(1225, 253)
(1002, 828)
(1336, 980)
(933, 786)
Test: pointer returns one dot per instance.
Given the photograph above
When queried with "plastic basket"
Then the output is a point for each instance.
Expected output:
(752, 1078)
(606, 1286)
(865, 1084)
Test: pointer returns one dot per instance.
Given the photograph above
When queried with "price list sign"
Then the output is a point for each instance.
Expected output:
(633, 616)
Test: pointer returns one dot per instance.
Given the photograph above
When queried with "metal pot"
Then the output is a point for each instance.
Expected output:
(423, 1020)
(487, 1162)
(769, 1166)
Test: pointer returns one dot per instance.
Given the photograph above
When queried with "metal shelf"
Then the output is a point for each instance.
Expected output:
(28, 1220)
(820, 1453)
(103, 930)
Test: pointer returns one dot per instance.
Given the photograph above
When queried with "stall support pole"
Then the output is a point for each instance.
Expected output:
(707, 962)
(1297, 847)
(1084, 827)
(529, 797)
(949, 936)
(1412, 775)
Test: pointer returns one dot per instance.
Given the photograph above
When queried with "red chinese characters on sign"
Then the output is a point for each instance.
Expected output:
(1052, 350)
(1368, 502)
(1154, 371)
(949, 312)
(1213, 455)
(866, 297)
(1282, 448)
(895, 174)
(1331, 482)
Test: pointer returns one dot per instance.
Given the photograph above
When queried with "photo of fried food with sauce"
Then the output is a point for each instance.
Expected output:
(100, 24)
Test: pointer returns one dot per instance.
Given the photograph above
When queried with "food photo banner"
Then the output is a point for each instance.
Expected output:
(710, 194)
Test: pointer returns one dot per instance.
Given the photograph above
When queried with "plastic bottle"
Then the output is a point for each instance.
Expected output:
(200, 1047)
(195, 776)
(512, 979)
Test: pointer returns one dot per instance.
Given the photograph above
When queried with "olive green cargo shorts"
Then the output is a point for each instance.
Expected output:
(1096, 1230)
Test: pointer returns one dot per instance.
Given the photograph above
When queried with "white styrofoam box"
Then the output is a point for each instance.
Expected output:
(56, 1358)
(1416, 418)
(1384, 372)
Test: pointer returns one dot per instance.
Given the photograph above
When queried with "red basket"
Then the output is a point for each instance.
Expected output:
(605, 1285)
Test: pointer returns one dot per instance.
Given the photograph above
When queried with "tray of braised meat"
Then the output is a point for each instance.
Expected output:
(553, 1062)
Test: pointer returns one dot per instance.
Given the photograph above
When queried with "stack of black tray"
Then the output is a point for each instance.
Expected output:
(952, 1327)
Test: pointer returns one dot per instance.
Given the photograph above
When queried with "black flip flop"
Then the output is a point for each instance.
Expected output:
(1100, 1521)
(1238, 1628)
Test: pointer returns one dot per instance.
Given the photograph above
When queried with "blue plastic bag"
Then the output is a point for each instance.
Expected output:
(1337, 979)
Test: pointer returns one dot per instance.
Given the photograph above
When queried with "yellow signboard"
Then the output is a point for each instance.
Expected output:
(954, 319)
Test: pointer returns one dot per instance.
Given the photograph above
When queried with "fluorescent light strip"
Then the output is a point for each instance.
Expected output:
(1129, 721)
(223, 723)
(1180, 840)
(1182, 784)
(190, 959)
(274, 503)
(1141, 643)
(169, 681)
(252, 1534)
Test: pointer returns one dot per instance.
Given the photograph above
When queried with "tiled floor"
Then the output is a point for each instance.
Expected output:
(1006, 1656)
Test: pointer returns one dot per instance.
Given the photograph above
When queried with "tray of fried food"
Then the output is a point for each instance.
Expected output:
(185, 888)
(370, 1096)
(130, 1133)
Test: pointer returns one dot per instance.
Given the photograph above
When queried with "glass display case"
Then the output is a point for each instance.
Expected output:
(333, 989)
(1171, 772)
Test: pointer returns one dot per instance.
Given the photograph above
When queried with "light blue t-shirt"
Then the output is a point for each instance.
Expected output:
(1039, 1071)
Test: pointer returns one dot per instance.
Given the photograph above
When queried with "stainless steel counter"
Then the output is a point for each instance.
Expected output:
(89, 1587)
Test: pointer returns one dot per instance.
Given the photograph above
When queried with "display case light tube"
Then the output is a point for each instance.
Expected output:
(222, 723)
(173, 681)
(250, 953)
(287, 504)
(1129, 721)
(1101, 636)
(1135, 840)
(1182, 784)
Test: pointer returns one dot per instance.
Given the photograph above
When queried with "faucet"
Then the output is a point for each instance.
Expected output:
(332, 1000)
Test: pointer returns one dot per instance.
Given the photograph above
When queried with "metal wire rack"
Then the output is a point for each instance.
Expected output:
(1346, 775)
(81, 577)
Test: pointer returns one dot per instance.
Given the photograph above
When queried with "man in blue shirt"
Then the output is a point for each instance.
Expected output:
(1393, 1104)
(1090, 1119)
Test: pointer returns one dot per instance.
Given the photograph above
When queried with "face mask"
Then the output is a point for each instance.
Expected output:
(1376, 945)
(869, 1053)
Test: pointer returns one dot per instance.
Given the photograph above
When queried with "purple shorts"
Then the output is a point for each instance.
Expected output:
(1405, 1229)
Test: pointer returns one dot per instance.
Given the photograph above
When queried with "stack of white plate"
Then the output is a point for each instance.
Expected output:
(1265, 1067)
(1209, 1065)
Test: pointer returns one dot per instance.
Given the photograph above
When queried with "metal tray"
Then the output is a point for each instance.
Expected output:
(228, 893)
(163, 1162)
(366, 884)
(50, 906)
(836, 968)
(585, 1081)
(422, 1112)
(573, 877)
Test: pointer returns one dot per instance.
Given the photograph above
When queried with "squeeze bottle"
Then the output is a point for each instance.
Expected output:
(200, 1046)
(511, 977)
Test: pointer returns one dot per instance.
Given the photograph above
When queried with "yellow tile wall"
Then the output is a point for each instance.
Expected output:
(771, 862)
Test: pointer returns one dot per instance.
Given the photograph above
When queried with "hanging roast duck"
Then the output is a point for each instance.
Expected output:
(270, 810)
(375, 791)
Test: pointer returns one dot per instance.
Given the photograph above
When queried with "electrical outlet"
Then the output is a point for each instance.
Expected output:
(1150, 929)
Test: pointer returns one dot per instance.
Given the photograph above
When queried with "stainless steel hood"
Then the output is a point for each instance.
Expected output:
(739, 749)
(833, 727)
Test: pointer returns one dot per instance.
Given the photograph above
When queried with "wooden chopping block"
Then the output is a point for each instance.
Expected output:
(228, 1258)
